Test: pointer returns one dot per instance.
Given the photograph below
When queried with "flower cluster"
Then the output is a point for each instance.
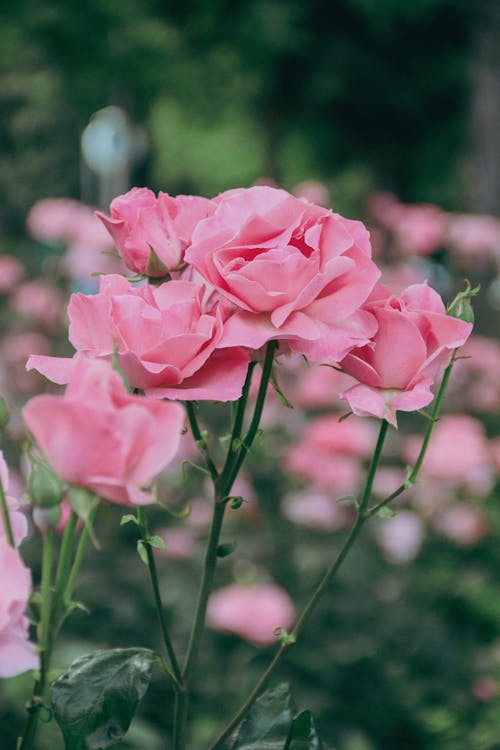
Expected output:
(230, 275)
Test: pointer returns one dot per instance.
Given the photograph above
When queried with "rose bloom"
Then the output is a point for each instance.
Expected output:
(17, 654)
(414, 341)
(141, 223)
(165, 338)
(252, 612)
(401, 537)
(294, 271)
(98, 436)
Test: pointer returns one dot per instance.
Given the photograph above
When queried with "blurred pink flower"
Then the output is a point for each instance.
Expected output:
(477, 375)
(252, 612)
(14, 350)
(179, 543)
(458, 453)
(463, 524)
(40, 302)
(314, 510)
(485, 688)
(320, 386)
(17, 654)
(100, 437)
(473, 239)
(74, 225)
(11, 272)
(401, 537)
(313, 191)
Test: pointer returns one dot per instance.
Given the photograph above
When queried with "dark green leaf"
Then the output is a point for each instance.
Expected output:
(303, 734)
(268, 723)
(95, 700)
(224, 550)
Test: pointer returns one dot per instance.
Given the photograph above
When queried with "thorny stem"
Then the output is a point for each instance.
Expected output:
(223, 482)
(364, 513)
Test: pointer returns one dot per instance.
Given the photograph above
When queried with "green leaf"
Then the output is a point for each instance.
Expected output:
(141, 549)
(224, 550)
(128, 518)
(156, 541)
(268, 723)
(303, 734)
(96, 699)
(83, 502)
(386, 512)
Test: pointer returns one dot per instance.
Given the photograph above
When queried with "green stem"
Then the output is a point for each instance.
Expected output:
(79, 555)
(222, 486)
(239, 414)
(254, 424)
(176, 670)
(63, 567)
(44, 643)
(6, 517)
(200, 440)
(313, 600)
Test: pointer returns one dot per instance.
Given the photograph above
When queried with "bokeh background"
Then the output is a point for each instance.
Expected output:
(385, 110)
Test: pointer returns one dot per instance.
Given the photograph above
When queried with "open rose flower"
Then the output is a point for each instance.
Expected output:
(165, 338)
(100, 437)
(151, 233)
(295, 272)
(252, 612)
(17, 654)
(414, 341)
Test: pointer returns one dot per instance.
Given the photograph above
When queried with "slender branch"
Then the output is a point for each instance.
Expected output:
(6, 516)
(413, 474)
(238, 414)
(200, 440)
(313, 600)
(63, 567)
(364, 513)
(259, 406)
(44, 644)
(176, 670)
(79, 555)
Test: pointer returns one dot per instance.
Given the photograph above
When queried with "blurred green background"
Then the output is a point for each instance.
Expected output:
(362, 95)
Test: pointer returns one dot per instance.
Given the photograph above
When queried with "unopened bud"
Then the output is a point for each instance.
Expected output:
(44, 486)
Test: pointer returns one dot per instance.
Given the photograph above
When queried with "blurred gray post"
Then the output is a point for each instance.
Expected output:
(110, 147)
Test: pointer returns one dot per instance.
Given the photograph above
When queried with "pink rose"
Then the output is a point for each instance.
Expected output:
(17, 654)
(415, 339)
(401, 537)
(100, 437)
(140, 223)
(293, 270)
(252, 612)
(166, 339)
